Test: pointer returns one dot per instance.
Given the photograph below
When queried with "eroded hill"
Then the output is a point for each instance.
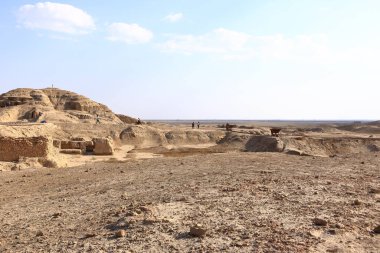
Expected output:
(52, 105)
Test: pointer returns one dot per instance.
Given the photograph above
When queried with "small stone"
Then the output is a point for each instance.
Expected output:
(240, 244)
(376, 230)
(197, 231)
(56, 215)
(356, 202)
(16, 167)
(339, 225)
(374, 190)
(165, 220)
(334, 250)
(39, 233)
(182, 199)
(146, 209)
(89, 235)
(131, 213)
(315, 233)
(120, 233)
(319, 222)
(331, 231)
(150, 221)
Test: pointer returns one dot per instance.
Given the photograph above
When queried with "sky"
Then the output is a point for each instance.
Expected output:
(197, 59)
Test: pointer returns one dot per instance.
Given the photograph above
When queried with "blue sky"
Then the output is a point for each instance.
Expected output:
(215, 59)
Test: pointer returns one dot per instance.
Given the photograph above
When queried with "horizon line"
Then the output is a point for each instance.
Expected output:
(367, 120)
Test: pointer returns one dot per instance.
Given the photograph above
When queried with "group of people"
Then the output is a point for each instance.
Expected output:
(193, 124)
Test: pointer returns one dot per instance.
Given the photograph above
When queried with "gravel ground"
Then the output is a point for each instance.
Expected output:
(242, 202)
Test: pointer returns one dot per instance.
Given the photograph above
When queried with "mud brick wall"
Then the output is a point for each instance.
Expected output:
(73, 145)
(76, 145)
(13, 148)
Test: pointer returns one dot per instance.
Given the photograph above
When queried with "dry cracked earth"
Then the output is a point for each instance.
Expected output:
(243, 202)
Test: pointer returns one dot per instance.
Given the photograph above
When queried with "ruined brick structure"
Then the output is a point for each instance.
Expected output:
(11, 149)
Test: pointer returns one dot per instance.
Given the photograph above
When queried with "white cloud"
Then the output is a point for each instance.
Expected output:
(129, 33)
(174, 17)
(56, 17)
(218, 41)
(237, 45)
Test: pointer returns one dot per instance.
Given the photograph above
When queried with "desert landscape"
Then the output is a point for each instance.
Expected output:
(76, 177)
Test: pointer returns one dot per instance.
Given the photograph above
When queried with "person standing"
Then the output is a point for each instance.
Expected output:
(192, 125)
(198, 124)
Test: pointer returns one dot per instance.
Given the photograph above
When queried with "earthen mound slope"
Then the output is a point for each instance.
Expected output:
(52, 105)
(148, 136)
(126, 119)
(375, 123)
(264, 144)
(323, 146)
(366, 128)
(33, 130)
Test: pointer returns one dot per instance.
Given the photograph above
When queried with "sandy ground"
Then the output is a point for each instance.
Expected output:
(171, 188)
(246, 202)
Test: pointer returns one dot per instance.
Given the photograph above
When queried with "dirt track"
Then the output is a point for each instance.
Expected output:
(248, 202)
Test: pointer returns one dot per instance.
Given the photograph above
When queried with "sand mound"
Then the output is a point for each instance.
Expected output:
(233, 141)
(10, 114)
(34, 162)
(126, 119)
(305, 145)
(374, 123)
(142, 136)
(33, 130)
(193, 137)
(331, 146)
(264, 144)
(52, 105)
(148, 136)
(368, 128)
(326, 146)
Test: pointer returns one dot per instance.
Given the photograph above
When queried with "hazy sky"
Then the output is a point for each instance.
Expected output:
(200, 59)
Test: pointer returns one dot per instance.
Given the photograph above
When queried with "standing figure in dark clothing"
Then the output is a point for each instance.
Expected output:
(192, 125)
(198, 124)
